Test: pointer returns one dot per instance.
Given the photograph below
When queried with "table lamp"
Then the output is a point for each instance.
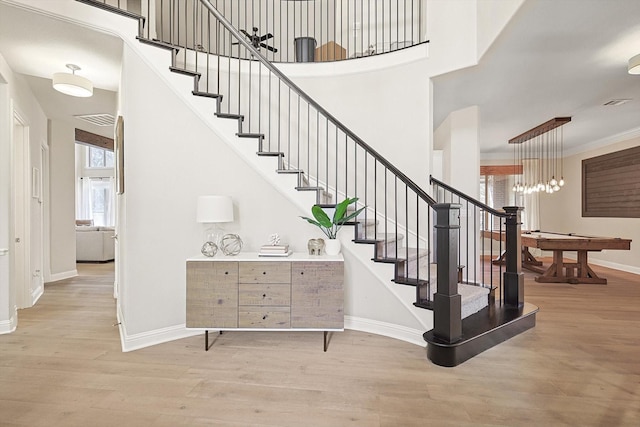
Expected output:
(213, 210)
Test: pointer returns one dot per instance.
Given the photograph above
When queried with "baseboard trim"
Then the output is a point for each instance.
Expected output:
(8, 326)
(64, 275)
(615, 266)
(595, 261)
(131, 342)
(402, 333)
(36, 294)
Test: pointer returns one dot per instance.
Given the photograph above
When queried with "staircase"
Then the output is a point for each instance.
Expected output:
(332, 162)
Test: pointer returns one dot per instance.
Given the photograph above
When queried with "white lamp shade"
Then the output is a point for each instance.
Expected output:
(634, 65)
(72, 84)
(214, 209)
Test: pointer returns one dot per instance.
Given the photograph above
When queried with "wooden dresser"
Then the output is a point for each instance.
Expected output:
(248, 292)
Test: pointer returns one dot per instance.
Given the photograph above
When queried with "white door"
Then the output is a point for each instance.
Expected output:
(20, 283)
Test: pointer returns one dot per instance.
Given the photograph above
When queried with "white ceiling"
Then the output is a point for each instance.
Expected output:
(38, 46)
(555, 58)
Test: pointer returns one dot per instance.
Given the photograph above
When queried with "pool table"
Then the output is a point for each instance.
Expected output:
(560, 271)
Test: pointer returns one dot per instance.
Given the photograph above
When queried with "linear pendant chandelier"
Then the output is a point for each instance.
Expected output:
(544, 143)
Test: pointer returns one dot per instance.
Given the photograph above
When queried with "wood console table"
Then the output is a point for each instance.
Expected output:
(252, 293)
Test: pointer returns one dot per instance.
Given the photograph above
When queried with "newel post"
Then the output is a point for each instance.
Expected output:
(513, 276)
(447, 303)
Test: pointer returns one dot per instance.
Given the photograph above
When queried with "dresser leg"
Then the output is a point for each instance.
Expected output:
(325, 341)
(206, 340)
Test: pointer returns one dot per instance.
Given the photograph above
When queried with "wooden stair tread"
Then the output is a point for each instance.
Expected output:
(206, 94)
(184, 71)
(230, 116)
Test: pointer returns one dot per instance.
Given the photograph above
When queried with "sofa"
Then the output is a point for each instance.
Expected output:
(94, 244)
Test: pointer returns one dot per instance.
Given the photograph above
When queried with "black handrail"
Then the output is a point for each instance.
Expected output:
(256, 53)
(466, 198)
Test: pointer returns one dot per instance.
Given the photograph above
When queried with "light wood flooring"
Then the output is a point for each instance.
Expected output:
(580, 366)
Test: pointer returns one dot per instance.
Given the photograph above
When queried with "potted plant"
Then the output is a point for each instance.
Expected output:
(330, 227)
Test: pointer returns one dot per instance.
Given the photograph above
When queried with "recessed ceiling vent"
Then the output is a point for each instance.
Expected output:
(616, 102)
(97, 119)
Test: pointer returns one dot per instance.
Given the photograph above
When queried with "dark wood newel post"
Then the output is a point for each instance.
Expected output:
(447, 303)
(513, 276)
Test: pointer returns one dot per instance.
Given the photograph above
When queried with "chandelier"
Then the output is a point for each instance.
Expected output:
(545, 144)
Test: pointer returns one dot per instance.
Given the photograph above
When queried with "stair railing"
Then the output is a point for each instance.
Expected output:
(327, 156)
(483, 232)
(287, 124)
(302, 31)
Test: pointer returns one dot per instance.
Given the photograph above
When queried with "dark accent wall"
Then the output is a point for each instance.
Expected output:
(611, 185)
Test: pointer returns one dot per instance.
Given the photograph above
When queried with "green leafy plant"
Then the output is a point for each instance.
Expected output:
(330, 227)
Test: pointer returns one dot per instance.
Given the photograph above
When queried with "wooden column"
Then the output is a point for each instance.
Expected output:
(513, 276)
(447, 303)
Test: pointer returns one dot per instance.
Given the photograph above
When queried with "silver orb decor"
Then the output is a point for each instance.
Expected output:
(209, 249)
(231, 244)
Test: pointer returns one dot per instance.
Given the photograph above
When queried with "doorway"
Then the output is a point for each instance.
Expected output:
(20, 283)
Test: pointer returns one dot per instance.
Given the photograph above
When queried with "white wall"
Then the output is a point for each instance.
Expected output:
(493, 16)
(457, 137)
(380, 107)
(62, 206)
(172, 157)
(7, 305)
(562, 212)
(16, 93)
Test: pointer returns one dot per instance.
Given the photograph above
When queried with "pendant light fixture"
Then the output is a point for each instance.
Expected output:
(72, 84)
(546, 144)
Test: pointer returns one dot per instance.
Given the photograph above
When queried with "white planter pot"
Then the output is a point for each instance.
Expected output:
(332, 246)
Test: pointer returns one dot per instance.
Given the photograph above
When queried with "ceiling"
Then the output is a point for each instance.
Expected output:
(555, 58)
(38, 46)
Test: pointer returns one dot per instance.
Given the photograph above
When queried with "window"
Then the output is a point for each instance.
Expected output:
(99, 158)
(96, 200)
(496, 188)
(95, 188)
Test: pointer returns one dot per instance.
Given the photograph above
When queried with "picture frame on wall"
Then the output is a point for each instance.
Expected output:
(119, 152)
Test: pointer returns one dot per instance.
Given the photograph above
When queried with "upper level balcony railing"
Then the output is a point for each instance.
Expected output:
(291, 30)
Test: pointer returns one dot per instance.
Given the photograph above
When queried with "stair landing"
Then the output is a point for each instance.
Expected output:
(481, 331)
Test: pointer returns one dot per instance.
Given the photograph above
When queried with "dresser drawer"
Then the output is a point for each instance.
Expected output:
(264, 295)
(264, 272)
(264, 317)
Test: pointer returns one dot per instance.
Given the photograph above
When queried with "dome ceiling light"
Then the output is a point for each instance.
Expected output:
(72, 84)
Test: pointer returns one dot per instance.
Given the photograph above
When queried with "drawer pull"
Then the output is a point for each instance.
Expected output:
(264, 272)
(264, 317)
(302, 272)
(264, 295)
(226, 272)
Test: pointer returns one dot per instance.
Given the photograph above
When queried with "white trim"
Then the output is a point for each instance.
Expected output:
(402, 333)
(603, 142)
(8, 326)
(158, 336)
(36, 294)
(615, 266)
(171, 333)
(582, 148)
(602, 263)
(64, 275)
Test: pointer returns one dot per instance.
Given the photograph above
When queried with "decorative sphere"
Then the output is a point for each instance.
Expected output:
(231, 244)
(209, 249)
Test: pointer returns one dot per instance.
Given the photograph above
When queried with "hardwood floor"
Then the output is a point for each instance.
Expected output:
(578, 367)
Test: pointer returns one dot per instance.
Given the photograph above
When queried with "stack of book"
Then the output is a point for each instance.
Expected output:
(274, 250)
